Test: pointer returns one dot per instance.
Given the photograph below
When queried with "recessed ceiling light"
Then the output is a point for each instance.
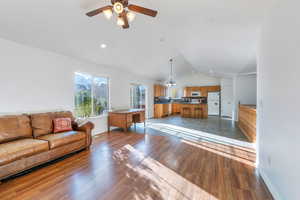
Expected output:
(103, 46)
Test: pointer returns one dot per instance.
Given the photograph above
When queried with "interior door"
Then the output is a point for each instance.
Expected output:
(227, 100)
(213, 102)
(138, 96)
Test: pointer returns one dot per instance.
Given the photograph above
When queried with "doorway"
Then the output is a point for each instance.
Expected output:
(138, 96)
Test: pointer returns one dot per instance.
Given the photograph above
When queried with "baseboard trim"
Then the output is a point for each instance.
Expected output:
(269, 185)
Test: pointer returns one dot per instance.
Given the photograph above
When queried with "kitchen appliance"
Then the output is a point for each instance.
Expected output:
(213, 102)
(195, 94)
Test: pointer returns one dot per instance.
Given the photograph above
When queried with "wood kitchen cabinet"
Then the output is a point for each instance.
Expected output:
(176, 107)
(166, 109)
(203, 90)
(194, 111)
(162, 110)
(160, 91)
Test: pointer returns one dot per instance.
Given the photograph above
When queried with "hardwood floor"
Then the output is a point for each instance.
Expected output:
(143, 166)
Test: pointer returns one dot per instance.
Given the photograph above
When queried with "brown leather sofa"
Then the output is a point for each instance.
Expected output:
(28, 140)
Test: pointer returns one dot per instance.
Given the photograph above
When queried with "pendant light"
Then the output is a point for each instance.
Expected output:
(171, 82)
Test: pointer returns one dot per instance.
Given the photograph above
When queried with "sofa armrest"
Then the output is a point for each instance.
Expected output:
(87, 128)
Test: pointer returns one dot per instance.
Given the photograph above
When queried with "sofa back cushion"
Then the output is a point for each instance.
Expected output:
(14, 127)
(64, 114)
(42, 123)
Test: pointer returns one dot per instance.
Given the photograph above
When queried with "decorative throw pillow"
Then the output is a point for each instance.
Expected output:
(62, 124)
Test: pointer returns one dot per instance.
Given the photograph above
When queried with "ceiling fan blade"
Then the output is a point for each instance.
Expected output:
(142, 10)
(98, 11)
(125, 19)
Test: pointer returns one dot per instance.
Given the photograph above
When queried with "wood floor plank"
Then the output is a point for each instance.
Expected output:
(143, 167)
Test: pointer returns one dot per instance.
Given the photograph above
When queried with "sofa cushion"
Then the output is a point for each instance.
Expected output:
(42, 123)
(14, 127)
(60, 139)
(62, 125)
(22, 148)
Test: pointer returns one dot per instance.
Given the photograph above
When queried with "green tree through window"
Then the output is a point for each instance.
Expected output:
(91, 95)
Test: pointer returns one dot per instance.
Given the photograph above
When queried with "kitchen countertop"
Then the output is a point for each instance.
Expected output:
(191, 103)
(249, 106)
(125, 111)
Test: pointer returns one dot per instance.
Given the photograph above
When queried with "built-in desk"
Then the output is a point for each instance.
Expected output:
(125, 118)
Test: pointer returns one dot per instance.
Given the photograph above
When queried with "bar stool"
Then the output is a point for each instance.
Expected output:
(198, 112)
(186, 112)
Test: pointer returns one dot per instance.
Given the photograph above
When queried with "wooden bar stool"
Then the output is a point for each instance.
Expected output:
(198, 112)
(186, 112)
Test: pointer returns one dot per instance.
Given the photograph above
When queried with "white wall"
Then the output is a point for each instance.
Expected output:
(194, 79)
(33, 80)
(245, 91)
(279, 98)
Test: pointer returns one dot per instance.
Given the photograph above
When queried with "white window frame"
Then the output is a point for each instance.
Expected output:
(92, 92)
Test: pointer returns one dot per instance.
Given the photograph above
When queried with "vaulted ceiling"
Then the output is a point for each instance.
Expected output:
(216, 36)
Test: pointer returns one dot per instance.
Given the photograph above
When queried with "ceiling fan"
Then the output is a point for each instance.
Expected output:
(124, 16)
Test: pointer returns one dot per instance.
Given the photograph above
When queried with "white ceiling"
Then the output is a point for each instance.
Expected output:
(202, 35)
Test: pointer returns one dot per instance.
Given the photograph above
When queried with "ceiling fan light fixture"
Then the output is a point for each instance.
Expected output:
(118, 7)
(103, 46)
(108, 13)
(122, 9)
(130, 16)
(171, 83)
(120, 21)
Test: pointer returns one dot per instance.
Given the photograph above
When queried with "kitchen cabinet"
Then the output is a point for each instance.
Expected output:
(176, 107)
(194, 111)
(160, 91)
(166, 109)
(162, 110)
(203, 90)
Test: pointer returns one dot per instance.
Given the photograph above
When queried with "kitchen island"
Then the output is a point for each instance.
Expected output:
(194, 110)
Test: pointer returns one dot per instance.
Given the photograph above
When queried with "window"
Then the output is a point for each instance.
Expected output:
(91, 95)
(138, 96)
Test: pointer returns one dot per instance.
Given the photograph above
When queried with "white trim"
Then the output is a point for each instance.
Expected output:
(269, 185)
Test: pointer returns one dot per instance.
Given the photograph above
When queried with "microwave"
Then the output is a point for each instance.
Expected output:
(196, 94)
